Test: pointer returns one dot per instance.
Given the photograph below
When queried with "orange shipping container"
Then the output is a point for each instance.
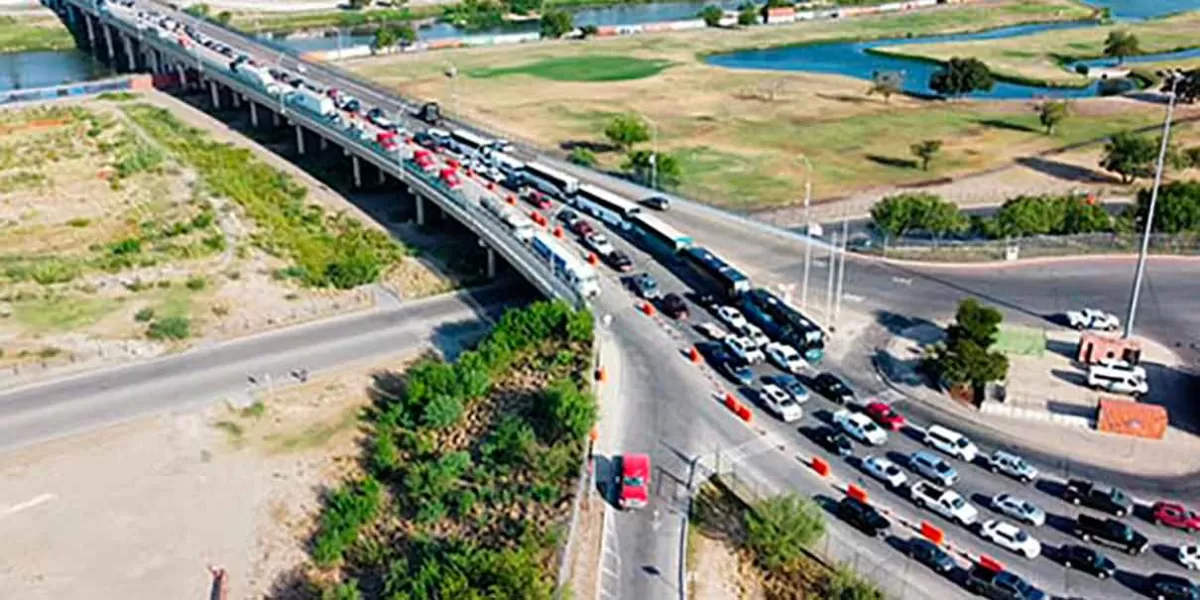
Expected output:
(1125, 417)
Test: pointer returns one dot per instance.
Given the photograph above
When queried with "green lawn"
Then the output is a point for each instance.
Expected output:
(1022, 341)
(63, 313)
(29, 35)
(580, 68)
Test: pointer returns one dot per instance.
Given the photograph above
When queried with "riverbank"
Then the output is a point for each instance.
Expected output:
(1041, 58)
(350, 21)
(36, 31)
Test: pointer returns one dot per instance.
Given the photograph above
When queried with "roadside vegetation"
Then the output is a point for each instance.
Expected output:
(33, 34)
(467, 470)
(967, 360)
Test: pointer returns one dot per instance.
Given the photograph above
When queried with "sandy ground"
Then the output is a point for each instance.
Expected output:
(142, 509)
(717, 572)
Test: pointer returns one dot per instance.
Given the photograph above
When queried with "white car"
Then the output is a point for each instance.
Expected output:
(599, 244)
(860, 427)
(1011, 537)
(744, 349)
(884, 470)
(732, 317)
(780, 403)
(711, 331)
(1019, 509)
(1189, 556)
(1093, 318)
(785, 357)
(755, 335)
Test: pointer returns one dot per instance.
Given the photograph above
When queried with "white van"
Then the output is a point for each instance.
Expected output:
(951, 443)
(1119, 380)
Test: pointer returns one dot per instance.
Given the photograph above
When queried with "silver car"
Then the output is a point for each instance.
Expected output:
(933, 467)
(1019, 509)
(1012, 465)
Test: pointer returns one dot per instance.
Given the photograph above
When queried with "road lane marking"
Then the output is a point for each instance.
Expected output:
(902, 280)
(852, 298)
(16, 508)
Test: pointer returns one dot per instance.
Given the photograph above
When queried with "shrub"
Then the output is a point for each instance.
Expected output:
(384, 456)
(567, 412)
(196, 283)
(511, 443)
(442, 412)
(170, 328)
(79, 222)
(845, 584)
(780, 529)
(346, 510)
(582, 156)
(144, 315)
(126, 246)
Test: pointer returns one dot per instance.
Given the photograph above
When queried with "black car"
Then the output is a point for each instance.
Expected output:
(424, 140)
(1111, 532)
(734, 368)
(930, 555)
(568, 217)
(674, 306)
(374, 113)
(1101, 497)
(833, 441)
(1171, 587)
(1082, 558)
(352, 105)
(862, 516)
(828, 385)
(619, 261)
(656, 202)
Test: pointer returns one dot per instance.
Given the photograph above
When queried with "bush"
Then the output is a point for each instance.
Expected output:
(384, 455)
(511, 443)
(126, 246)
(79, 222)
(845, 584)
(582, 156)
(442, 411)
(567, 412)
(196, 283)
(170, 328)
(144, 315)
(779, 530)
(347, 509)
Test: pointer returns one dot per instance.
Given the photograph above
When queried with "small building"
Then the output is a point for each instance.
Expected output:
(780, 14)
(1095, 347)
(1126, 417)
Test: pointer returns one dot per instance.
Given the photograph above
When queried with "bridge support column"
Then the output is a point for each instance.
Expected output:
(254, 114)
(182, 76)
(152, 60)
(323, 143)
(130, 57)
(382, 177)
(237, 100)
(275, 118)
(300, 139)
(420, 207)
(216, 94)
(491, 263)
(108, 43)
(91, 30)
(357, 171)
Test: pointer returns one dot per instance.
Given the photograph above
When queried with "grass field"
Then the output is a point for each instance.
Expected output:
(1022, 341)
(580, 68)
(1040, 56)
(29, 34)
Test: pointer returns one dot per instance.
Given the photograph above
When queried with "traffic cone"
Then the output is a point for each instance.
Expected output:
(558, 232)
(592, 258)
(694, 355)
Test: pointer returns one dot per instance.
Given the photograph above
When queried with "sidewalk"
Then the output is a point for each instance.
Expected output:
(896, 365)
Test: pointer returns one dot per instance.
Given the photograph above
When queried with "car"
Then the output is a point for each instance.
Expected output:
(1093, 318)
(732, 318)
(791, 385)
(621, 262)
(568, 217)
(933, 467)
(862, 516)
(582, 228)
(1082, 558)
(1188, 555)
(780, 403)
(860, 427)
(743, 349)
(785, 357)
(1173, 514)
(833, 441)
(1002, 461)
(1011, 538)
(884, 470)
(1111, 532)
(950, 442)
(735, 369)
(711, 331)
(423, 161)
(644, 285)
(943, 501)
(674, 306)
(883, 414)
(755, 335)
(424, 140)
(833, 388)
(1000, 585)
(1163, 586)
(1019, 509)
(1101, 497)
(450, 179)
(634, 482)
(598, 243)
(540, 201)
(930, 555)
(656, 202)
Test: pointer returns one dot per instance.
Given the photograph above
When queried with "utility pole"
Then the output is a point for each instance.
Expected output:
(833, 247)
(837, 306)
(1158, 173)
(807, 232)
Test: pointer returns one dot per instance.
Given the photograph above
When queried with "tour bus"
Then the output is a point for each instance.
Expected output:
(567, 265)
(550, 181)
(521, 225)
(782, 322)
(715, 271)
(469, 142)
(658, 237)
(605, 205)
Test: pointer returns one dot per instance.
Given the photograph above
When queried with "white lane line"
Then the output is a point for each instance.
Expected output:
(16, 508)
(902, 280)
(852, 298)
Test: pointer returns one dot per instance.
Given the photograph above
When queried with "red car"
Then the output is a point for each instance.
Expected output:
(1173, 514)
(424, 160)
(635, 481)
(884, 415)
(583, 228)
(450, 178)
(538, 199)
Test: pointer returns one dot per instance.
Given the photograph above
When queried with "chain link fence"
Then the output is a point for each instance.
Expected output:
(1184, 244)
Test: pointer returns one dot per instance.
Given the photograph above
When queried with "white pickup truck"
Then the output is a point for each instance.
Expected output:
(945, 502)
(1093, 318)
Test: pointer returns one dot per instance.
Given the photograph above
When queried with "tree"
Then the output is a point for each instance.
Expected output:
(385, 37)
(1177, 209)
(1121, 43)
(962, 76)
(712, 15)
(1047, 215)
(197, 10)
(170, 328)
(1188, 87)
(406, 33)
(588, 31)
(626, 130)
(658, 171)
(939, 217)
(1051, 113)
(965, 357)
(892, 216)
(224, 17)
(358, 4)
(582, 156)
(779, 529)
(925, 151)
(748, 15)
(1191, 157)
(886, 83)
(556, 23)
(1130, 155)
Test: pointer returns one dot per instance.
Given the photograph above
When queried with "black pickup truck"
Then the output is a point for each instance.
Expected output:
(1108, 499)
(1001, 585)
(1111, 532)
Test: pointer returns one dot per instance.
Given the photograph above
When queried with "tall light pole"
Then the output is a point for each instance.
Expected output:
(841, 278)
(1158, 173)
(807, 232)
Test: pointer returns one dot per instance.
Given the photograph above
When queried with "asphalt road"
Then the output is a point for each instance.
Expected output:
(58, 408)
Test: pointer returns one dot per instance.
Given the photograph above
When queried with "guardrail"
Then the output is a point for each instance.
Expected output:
(75, 90)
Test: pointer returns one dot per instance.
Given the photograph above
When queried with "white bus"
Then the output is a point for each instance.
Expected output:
(521, 225)
(550, 181)
(605, 205)
(567, 265)
(660, 237)
(469, 142)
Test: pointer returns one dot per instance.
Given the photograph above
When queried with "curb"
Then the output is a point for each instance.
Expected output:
(1019, 263)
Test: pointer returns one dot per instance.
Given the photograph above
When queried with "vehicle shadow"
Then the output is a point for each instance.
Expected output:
(823, 416)
(1061, 524)
(1168, 552)
(605, 469)
(913, 434)
(1133, 581)
(984, 501)
(1051, 488)
(898, 457)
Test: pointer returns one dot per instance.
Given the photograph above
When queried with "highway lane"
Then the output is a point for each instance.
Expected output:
(57, 408)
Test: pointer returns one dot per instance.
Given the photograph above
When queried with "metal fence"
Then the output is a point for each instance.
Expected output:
(1187, 244)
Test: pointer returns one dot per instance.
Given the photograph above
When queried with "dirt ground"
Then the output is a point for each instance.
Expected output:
(142, 509)
(79, 180)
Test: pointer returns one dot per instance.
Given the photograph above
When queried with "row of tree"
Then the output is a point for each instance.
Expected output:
(648, 167)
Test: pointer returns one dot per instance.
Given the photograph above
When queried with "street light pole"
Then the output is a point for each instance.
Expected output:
(807, 232)
(654, 158)
(841, 278)
(1158, 173)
